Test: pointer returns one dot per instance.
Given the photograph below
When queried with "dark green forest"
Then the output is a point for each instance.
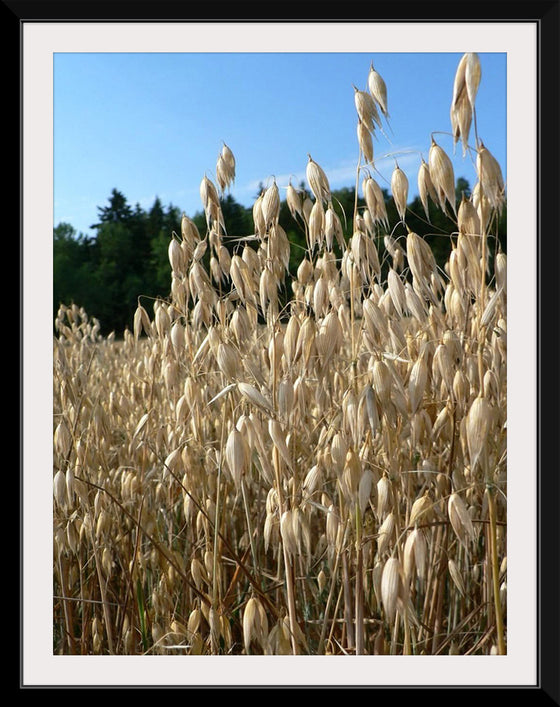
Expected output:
(126, 260)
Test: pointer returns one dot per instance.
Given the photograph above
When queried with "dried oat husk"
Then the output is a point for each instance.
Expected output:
(318, 181)
(422, 510)
(467, 78)
(456, 576)
(225, 168)
(294, 200)
(386, 534)
(391, 587)
(468, 219)
(210, 201)
(258, 216)
(351, 474)
(333, 229)
(417, 384)
(378, 89)
(415, 555)
(255, 625)
(397, 292)
(426, 187)
(59, 489)
(482, 205)
(364, 489)
(312, 482)
(382, 382)
(278, 437)
(415, 305)
(316, 224)
(329, 337)
(399, 190)
(395, 251)
(478, 425)
(465, 88)
(221, 173)
(500, 271)
(442, 175)
(176, 256)
(422, 264)
(365, 142)
(459, 85)
(366, 109)
(460, 520)
(254, 396)
(271, 205)
(189, 230)
(375, 200)
(473, 75)
(236, 455)
(490, 177)
(461, 115)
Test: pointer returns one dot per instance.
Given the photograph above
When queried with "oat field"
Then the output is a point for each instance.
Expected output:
(239, 474)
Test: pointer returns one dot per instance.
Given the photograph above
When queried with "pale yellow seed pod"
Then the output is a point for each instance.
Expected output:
(317, 224)
(478, 425)
(278, 437)
(391, 587)
(378, 89)
(397, 292)
(176, 257)
(467, 217)
(461, 115)
(459, 85)
(426, 187)
(382, 382)
(384, 496)
(399, 190)
(417, 384)
(189, 230)
(421, 511)
(294, 201)
(62, 439)
(229, 160)
(366, 109)
(500, 269)
(386, 534)
(443, 177)
(318, 181)
(415, 555)
(473, 74)
(287, 534)
(271, 205)
(250, 623)
(456, 576)
(258, 217)
(490, 177)
(365, 142)
(236, 455)
(59, 489)
(333, 229)
(460, 520)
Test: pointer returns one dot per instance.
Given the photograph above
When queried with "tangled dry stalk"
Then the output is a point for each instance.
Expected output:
(326, 476)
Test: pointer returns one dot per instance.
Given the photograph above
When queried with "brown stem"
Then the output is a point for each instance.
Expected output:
(496, 572)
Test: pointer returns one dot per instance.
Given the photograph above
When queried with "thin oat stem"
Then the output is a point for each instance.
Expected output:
(495, 570)
(359, 590)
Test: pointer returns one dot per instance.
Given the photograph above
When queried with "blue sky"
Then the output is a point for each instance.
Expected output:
(153, 124)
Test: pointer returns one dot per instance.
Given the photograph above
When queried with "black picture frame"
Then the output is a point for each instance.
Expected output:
(545, 15)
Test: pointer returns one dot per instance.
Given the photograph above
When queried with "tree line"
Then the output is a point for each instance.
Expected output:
(126, 258)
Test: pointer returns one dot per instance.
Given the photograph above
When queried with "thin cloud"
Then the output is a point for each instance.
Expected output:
(342, 174)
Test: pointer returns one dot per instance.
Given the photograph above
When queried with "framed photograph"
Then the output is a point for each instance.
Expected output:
(289, 363)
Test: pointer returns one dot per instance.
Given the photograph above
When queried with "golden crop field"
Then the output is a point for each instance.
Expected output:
(322, 476)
